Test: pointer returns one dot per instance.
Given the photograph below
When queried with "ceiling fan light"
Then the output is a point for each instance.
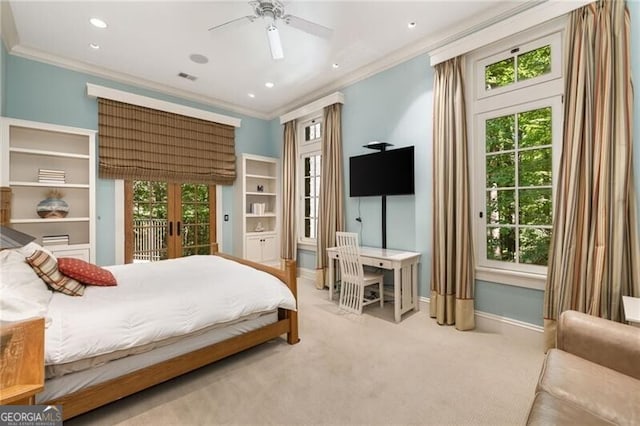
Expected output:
(274, 42)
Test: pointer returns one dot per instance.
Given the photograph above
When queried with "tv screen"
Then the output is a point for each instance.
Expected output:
(382, 173)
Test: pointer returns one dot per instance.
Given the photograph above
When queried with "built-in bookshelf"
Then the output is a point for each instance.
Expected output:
(258, 201)
(38, 158)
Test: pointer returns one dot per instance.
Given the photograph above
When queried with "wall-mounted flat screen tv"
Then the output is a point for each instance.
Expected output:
(382, 173)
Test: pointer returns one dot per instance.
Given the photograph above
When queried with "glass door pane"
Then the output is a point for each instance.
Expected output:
(195, 228)
(150, 215)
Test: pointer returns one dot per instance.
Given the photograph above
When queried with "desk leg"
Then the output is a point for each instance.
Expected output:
(332, 279)
(397, 284)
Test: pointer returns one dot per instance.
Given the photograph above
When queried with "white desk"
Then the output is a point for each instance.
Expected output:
(631, 310)
(405, 274)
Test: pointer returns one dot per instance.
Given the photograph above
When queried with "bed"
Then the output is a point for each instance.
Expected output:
(163, 319)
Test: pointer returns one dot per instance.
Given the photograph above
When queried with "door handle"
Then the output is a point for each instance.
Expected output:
(178, 233)
(170, 229)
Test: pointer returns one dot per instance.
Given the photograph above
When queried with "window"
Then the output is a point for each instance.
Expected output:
(517, 114)
(309, 170)
(518, 184)
(529, 63)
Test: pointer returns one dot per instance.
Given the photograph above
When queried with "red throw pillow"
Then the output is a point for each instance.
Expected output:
(85, 272)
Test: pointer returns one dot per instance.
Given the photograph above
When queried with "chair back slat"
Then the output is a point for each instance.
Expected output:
(349, 256)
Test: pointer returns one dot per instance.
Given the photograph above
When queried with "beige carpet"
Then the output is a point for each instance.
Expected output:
(348, 369)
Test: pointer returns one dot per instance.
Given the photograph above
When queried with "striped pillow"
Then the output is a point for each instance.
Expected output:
(47, 268)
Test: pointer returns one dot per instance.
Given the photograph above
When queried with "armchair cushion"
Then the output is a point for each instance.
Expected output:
(602, 391)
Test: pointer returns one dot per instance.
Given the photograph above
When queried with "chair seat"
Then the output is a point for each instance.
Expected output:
(372, 277)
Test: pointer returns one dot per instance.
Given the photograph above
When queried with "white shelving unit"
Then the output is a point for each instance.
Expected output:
(25, 148)
(257, 227)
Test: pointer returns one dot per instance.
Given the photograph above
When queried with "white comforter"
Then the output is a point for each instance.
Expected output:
(155, 301)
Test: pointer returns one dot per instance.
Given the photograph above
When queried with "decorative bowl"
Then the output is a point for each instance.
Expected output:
(52, 208)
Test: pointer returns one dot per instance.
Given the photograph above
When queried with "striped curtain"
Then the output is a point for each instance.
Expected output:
(594, 257)
(288, 244)
(452, 275)
(331, 207)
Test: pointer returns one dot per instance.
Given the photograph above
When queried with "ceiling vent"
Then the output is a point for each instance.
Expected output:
(187, 76)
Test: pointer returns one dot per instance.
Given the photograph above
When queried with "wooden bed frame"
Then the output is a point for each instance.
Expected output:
(103, 393)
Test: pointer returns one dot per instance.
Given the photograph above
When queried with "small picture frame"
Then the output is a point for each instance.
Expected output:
(260, 188)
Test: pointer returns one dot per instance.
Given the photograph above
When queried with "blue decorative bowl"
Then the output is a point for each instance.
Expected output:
(52, 208)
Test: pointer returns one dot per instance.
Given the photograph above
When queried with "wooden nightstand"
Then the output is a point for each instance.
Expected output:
(21, 361)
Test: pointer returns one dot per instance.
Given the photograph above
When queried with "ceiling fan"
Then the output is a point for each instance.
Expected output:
(272, 11)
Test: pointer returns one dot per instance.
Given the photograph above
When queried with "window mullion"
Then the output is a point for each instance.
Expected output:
(516, 195)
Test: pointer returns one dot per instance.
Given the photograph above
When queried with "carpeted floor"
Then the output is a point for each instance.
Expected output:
(348, 369)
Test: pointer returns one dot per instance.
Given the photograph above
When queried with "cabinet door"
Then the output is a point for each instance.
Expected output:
(253, 249)
(269, 249)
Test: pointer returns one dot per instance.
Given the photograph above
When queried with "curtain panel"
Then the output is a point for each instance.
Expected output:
(452, 274)
(288, 245)
(594, 253)
(331, 208)
(138, 143)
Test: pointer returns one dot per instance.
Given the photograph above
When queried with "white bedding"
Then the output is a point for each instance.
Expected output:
(155, 301)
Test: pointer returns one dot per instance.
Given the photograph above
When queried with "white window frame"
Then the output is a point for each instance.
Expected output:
(480, 189)
(545, 90)
(553, 40)
(305, 149)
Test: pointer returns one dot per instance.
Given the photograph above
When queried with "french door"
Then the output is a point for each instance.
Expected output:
(168, 220)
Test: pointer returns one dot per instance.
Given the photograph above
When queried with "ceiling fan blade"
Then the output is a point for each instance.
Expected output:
(274, 42)
(308, 26)
(235, 22)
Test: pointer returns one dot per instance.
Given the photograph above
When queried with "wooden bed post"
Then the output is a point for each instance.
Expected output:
(292, 274)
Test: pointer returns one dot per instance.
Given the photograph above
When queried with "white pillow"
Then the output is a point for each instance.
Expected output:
(30, 248)
(22, 293)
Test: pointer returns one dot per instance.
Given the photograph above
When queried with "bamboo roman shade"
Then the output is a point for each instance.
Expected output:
(146, 144)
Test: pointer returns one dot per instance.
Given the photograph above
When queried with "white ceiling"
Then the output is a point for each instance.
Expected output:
(149, 42)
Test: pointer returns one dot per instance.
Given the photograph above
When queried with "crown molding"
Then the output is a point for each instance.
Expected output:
(8, 31)
(41, 56)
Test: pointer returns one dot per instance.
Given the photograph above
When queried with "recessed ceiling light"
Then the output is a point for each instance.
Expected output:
(99, 23)
(335, 65)
(251, 95)
(411, 25)
(94, 46)
(198, 58)
(269, 84)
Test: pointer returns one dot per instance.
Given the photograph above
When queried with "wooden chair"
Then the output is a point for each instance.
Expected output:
(353, 277)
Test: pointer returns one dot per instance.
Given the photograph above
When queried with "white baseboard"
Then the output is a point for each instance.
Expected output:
(523, 332)
(308, 274)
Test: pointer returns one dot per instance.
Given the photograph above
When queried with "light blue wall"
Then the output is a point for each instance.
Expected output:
(41, 92)
(393, 106)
